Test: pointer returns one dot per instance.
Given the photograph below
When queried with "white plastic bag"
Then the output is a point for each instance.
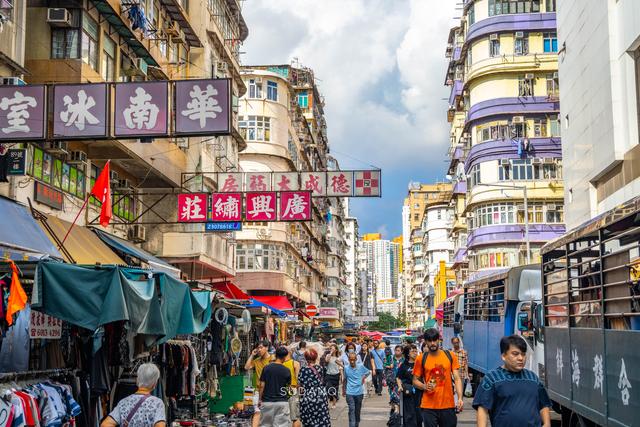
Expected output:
(468, 391)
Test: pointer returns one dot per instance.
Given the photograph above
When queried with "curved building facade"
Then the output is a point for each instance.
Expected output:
(505, 134)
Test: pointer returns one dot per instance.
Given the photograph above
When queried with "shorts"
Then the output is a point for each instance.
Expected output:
(294, 407)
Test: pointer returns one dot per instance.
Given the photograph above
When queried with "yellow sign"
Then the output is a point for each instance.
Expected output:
(634, 271)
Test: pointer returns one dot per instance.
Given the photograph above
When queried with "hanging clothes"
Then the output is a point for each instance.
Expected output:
(17, 296)
(14, 353)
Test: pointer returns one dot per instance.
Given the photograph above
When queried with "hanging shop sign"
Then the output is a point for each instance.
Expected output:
(353, 183)
(80, 111)
(223, 226)
(328, 313)
(262, 206)
(17, 161)
(48, 195)
(138, 110)
(44, 326)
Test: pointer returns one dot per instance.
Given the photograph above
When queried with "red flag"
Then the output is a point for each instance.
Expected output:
(102, 191)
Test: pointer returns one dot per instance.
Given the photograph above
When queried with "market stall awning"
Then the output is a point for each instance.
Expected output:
(82, 245)
(279, 302)
(255, 303)
(154, 304)
(125, 248)
(230, 291)
(21, 237)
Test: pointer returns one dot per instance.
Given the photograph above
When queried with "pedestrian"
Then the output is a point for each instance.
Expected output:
(391, 371)
(350, 348)
(259, 358)
(378, 358)
(298, 354)
(334, 366)
(463, 360)
(367, 361)
(275, 382)
(294, 396)
(411, 415)
(140, 409)
(435, 372)
(314, 405)
(511, 395)
(355, 375)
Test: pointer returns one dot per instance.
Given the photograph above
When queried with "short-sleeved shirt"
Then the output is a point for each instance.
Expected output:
(512, 398)
(378, 357)
(437, 368)
(354, 378)
(259, 364)
(147, 415)
(277, 379)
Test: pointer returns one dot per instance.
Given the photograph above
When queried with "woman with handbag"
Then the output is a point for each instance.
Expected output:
(411, 416)
(140, 409)
(314, 406)
(334, 367)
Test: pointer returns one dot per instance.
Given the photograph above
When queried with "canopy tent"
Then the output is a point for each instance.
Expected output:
(155, 304)
(255, 303)
(83, 246)
(279, 302)
(21, 236)
(230, 291)
(127, 248)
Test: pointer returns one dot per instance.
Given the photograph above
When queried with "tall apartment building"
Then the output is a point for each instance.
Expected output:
(381, 261)
(281, 118)
(505, 133)
(353, 305)
(97, 41)
(599, 105)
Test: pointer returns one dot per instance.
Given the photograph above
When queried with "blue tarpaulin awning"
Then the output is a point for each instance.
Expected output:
(255, 303)
(20, 235)
(128, 248)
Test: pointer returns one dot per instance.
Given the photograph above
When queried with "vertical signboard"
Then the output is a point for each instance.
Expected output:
(141, 109)
(22, 112)
(295, 206)
(80, 111)
(202, 107)
(260, 206)
(226, 207)
(192, 207)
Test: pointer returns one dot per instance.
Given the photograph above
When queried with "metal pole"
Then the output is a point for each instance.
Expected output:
(526, 224)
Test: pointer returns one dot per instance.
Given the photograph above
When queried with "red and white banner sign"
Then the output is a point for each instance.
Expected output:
(367, 184)
(261, 206)
(295, 206)
(226, 207)
(192, 207)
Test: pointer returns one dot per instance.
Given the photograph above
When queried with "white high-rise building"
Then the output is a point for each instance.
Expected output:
(353, 304)
(381, 261)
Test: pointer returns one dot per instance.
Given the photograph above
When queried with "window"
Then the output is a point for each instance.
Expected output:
(555, 214)
(255, 128)
(550, 5)
(535, 213)
(503, 7)
(474, 175)
(499, 213)
(492, 132)
(469, 57)
(555, 125)
(439, 214)
(89, 41)
(517, 130)
(521, 45)
(417, 248)
(260, 257)
(525, 86)
(65, 41)
(108, 69)
(471, 15)
(540, 128)
(272, 91)
(550, 42)
(494, 46)
(521, 169)
(303, 99)
(255, 89)
(551, 170)
(553, 87)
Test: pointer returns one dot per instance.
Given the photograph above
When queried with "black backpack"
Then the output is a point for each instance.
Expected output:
(424, 363)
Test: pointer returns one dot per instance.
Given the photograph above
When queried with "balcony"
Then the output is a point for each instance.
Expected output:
(539, 62)
(200, 256)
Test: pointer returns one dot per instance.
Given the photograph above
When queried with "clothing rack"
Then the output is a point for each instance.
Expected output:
(180, 342)
(7, 376)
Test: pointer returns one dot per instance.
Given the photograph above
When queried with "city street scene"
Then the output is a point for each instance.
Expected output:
(319, 213)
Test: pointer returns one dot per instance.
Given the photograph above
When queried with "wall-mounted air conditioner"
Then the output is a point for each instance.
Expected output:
(505, 162)
(493, 37)
(56, 147)
(517, 119)
(529, 76)
(519, 34)
(58, 17)
(77, 157)
(137, 234)
(12, 81)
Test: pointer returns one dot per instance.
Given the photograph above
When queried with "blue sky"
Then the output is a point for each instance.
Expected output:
(380, 65)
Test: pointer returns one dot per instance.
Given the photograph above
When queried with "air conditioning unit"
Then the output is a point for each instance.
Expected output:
(548, 160)
(522, 248)
(58, 17)
(113, 177)
(258, 79)
(517, 119)
(222, 66)
(536, 161)
(505, 162)
(77, 157)
(519, 34)
(172, 29)
(551, 207)
(178, 38)
(12, 81)
(123, 184)
(520, 207)
(56, 147)
(529, 76)
(469, 214)
(555, 75)
(141, 65)
(137, 234)
(493, 37)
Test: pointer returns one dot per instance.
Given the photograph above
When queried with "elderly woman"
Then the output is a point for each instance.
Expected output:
(140, 409)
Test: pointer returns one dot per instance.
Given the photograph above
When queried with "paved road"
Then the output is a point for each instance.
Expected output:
(375, 413)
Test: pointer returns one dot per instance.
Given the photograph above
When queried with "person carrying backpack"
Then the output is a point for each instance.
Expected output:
(436, 372)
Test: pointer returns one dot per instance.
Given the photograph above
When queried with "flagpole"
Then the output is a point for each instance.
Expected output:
(74, 221)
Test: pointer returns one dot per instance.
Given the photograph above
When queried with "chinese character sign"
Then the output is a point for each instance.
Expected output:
(258, 181)
(295, 206)
(226, 207)
(22, 112)
(80, 111)
(141, 109)
(261, 206)
(286, 181)
(192, 207)
(367, 183)
(202, 106)
(44, 326)
(230, 182)
(315, 182)
(339, 183)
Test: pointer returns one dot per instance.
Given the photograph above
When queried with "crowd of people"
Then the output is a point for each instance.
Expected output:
(300, 385)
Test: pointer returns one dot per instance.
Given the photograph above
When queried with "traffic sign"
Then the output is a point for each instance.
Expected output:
(312, 310)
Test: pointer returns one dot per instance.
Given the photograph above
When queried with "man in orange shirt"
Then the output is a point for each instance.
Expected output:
(435, 372)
